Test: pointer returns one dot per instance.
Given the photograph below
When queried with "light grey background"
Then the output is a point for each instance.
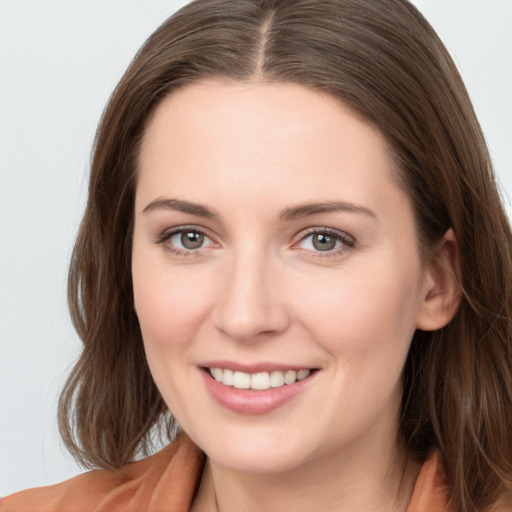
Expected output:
(59, 61)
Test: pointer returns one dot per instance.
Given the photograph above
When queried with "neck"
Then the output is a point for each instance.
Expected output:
(338, 482)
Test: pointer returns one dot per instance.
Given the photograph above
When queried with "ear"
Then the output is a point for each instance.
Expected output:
(441, 288)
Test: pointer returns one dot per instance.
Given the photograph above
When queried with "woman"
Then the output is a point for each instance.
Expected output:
(293, 242)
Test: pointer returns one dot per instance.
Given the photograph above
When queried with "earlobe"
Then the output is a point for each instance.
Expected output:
(442, 292)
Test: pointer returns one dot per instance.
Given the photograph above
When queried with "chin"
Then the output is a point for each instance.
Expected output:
(256, 453)
(256, 461)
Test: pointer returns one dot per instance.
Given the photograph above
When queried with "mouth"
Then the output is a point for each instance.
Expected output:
(253, 389)
(259, 381)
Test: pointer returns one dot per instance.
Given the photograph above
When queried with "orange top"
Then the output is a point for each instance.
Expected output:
(167, 481)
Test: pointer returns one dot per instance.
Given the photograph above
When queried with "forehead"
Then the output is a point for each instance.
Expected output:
(217, 137)
(226, 107)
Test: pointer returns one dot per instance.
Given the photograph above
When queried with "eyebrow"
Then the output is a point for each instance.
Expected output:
(290, 213)
(181, 206)
(309, 209)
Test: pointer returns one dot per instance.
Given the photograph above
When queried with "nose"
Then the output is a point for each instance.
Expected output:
(252, 300)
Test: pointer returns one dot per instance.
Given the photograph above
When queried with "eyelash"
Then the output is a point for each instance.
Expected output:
(167, 235)
(347, 242)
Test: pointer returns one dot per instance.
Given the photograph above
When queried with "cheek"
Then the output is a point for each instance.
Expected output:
(365, 322)
(363, 310)
(167, 297)
(168, 306)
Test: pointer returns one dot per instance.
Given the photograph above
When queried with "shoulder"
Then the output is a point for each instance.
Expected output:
(431, 492)
(166, 480)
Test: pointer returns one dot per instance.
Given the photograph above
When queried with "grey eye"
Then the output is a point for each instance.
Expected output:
(188, 240)
(192, 239)
(323, 242)
(326, 241)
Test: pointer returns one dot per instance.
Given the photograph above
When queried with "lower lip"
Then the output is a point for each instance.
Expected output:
(246, 401)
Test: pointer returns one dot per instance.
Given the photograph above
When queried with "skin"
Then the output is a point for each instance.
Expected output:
(258, 290)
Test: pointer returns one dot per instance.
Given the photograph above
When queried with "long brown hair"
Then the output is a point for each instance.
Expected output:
(384, 60)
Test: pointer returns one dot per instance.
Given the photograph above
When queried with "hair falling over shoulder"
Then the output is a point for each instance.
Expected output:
(384, 61)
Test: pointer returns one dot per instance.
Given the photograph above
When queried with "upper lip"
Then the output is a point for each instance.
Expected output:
(254, 367)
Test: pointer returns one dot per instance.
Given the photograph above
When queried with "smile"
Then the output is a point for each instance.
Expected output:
(260, 389)
(257, 381)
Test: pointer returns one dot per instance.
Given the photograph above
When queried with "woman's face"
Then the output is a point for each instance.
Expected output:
(273, 245)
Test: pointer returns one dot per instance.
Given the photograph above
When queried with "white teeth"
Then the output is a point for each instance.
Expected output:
(302, 374)
(276, 379)
(290, 377)
(228, 377)
(258, 381)
(241, 380)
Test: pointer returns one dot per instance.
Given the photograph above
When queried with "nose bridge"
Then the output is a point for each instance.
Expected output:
(251, 301)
